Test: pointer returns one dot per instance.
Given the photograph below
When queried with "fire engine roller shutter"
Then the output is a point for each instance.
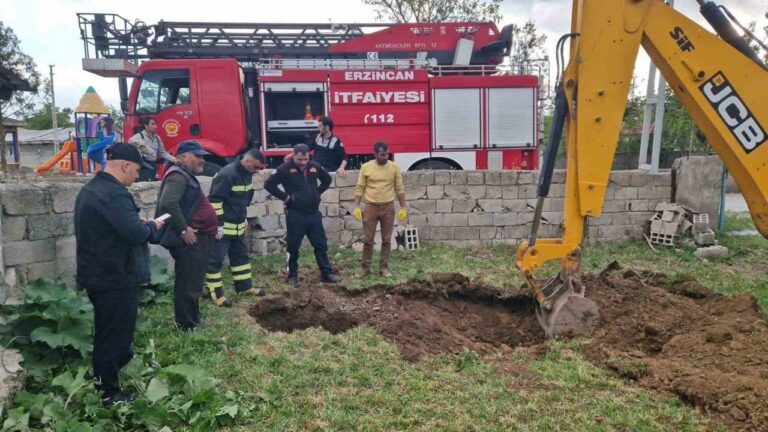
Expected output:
(511, 117)
(456, 118)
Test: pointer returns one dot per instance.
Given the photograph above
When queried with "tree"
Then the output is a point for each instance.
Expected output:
(403, 11)
(40, 118)
(527, 46)
(21, 64)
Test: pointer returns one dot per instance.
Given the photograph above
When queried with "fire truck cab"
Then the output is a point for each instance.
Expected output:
(435, 92)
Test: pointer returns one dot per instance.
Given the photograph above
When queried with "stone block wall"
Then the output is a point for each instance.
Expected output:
(457, 208)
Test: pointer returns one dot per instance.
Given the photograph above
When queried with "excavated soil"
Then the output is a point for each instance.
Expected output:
(678, 339)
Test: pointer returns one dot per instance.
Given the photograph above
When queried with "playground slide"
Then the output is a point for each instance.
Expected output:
(67, 148)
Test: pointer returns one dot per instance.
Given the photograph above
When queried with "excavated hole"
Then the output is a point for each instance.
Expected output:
(444, 315)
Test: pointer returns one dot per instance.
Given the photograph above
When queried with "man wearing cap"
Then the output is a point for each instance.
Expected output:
(190, 231)
(112, 263)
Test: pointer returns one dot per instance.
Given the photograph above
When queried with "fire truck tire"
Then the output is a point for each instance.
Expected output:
(434, 164)
(210, 169)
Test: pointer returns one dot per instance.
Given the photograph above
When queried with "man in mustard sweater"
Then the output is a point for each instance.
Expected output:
(380, 181)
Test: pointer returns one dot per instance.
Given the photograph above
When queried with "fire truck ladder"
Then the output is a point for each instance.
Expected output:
(110, 36)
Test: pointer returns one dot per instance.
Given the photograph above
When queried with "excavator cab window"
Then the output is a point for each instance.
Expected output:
(162, 89)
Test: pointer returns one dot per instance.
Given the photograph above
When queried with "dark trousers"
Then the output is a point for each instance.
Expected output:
(114, 321)
(373, 215)
(311, 225)
(147, 174)
(190, 268)
(239, 262)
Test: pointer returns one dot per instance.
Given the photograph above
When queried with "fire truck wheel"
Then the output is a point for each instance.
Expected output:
(434, 164)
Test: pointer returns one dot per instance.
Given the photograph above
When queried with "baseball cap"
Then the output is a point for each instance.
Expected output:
(191, 146)
(123, 151)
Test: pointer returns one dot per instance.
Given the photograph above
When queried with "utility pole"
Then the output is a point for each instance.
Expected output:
(53, 115)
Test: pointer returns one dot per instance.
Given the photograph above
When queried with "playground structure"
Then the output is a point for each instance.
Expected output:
(90, 139)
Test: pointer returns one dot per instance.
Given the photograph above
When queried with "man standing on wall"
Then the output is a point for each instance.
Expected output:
(380, 182)
(303, 182)
(190, 232)
(231, 194)
(112, 263)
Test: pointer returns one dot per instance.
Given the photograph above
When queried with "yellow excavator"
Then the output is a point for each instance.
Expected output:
(721, 82)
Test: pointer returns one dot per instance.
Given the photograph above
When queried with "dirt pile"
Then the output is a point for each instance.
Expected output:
(677, 338)
(707, 349)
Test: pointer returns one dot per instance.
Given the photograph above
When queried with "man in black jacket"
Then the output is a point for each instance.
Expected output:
(112, 262)
(303, 182)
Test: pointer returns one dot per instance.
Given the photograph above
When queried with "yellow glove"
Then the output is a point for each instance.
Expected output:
(402, 214)
(358, 214)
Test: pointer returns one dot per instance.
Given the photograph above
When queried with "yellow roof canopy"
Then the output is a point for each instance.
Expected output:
(91, 103)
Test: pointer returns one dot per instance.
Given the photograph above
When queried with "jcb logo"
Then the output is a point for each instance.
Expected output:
(682, 40)
(734, 113)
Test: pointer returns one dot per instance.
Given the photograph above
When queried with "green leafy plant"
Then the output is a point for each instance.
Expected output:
(52, 329)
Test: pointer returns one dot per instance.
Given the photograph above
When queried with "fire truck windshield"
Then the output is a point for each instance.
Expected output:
(161, 89)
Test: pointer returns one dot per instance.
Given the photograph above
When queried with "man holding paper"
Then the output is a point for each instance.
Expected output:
(112, 263)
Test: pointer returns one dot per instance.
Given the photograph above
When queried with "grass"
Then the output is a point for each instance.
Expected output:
(313, 380)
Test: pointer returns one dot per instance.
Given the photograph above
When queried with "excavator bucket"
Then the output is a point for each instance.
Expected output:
(565, 312)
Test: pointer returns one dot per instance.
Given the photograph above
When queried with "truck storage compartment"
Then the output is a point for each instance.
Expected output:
(292, 112)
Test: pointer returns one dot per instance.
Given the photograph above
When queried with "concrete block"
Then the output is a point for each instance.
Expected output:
(697, 182)
(444, 206)
(423, 206)
(476, 178)
(613, 206)
(515, 232)
(641, 179)
(480, 219)
(489, 233)
(333, 210)
(28, 252)
(504, 219)
(554, 204)
(711, 252)
(331, 196)
(417, 220)
(269, 223)
(558, 176)
(466, 233)
(260, 234)
(663, 178)
(274, 207)
(413, 193)
(435, 192)
(349, 179)
(464, 205)
(527, 191)
(604, 219)
(525, 217)
(556, 191)
(490, 205)
(493, 192)
(426, 178)
(351, 223)
(66, 247)
(333, 224)
(347, 194)
(476, 192)
(440, 233)
(42, 270)
(256, 210)
(257, 180)
(260, 247)
(510, 192)
(25, 199)
(456, 192)
(442, 177)
(493, 178)
(509, 178)
(516, 205)
(638, 206)
(553, 218)
(64, 198)
(455, 219)
(50, 225)
(525, 178)
(623, 219)
(458, 177)
(435, 219)
(621, 178)
(665, 193)
(14, 228)
(626, 193)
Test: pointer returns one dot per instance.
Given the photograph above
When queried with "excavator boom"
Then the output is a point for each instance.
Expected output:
(722, 86)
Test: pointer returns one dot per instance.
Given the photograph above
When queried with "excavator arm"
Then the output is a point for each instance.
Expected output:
(722, 86)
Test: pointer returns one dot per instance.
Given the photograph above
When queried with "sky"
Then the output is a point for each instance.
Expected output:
(49, 32)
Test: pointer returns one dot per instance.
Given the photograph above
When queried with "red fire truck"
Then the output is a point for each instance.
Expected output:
(436, 92)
